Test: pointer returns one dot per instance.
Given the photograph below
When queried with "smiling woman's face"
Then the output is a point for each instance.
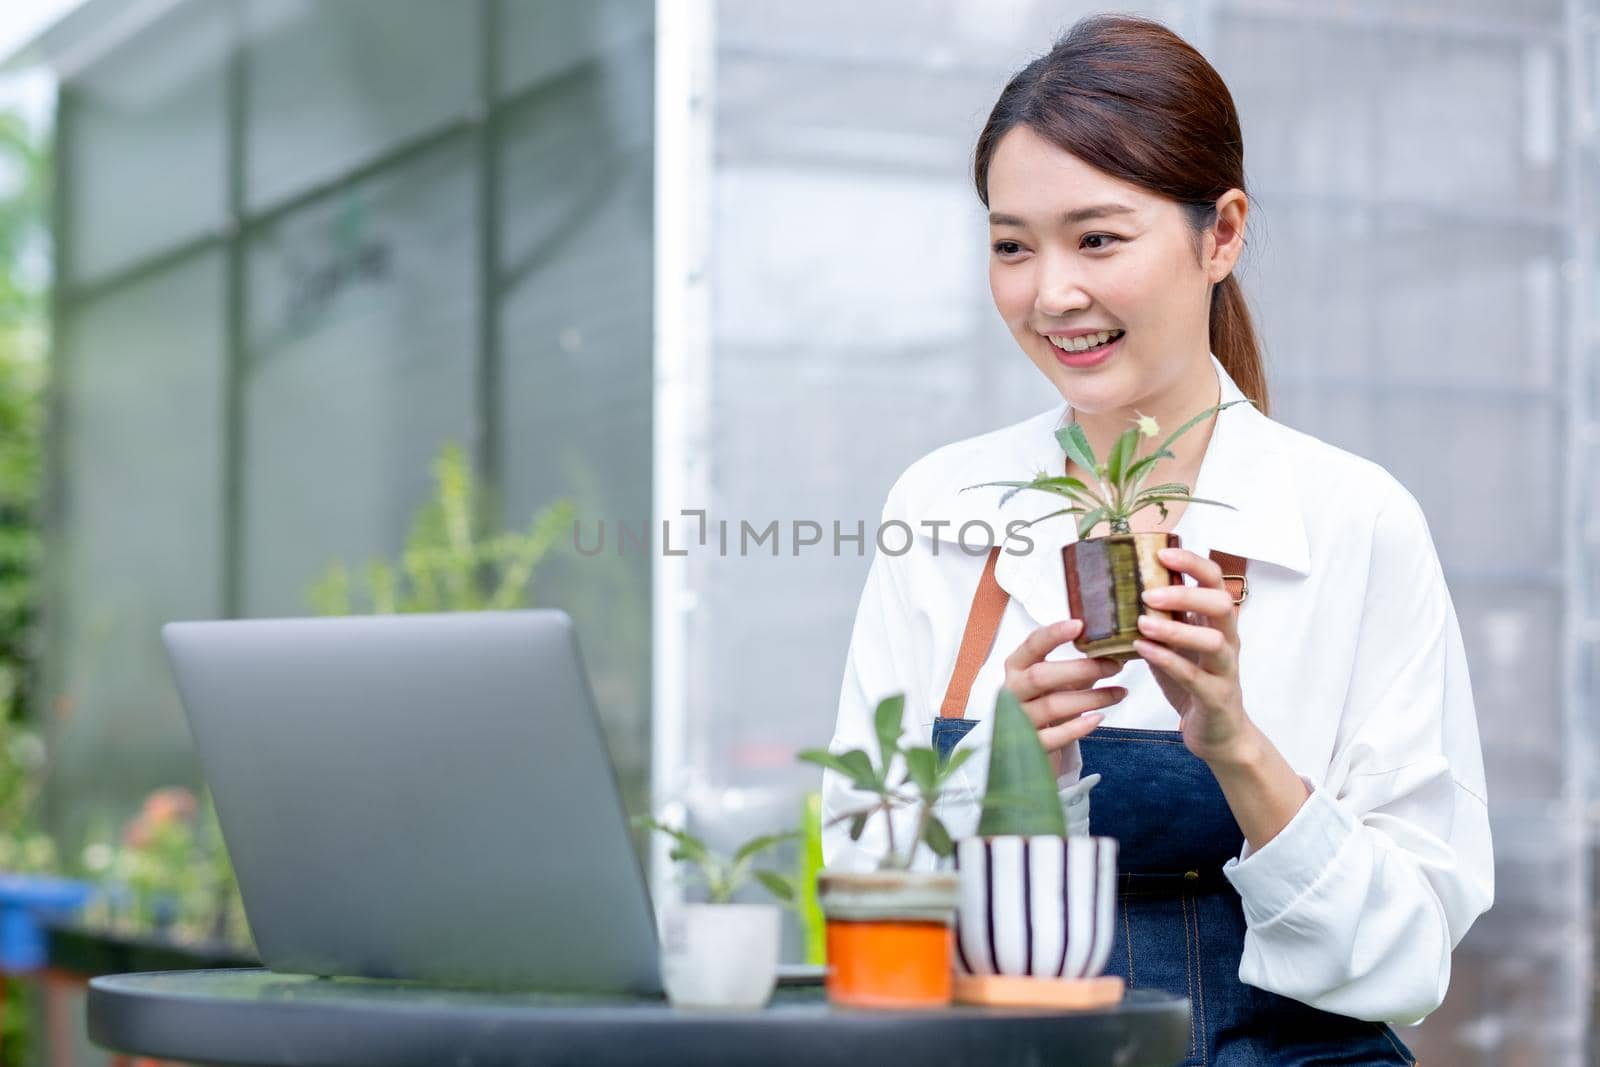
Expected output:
(1134, 268)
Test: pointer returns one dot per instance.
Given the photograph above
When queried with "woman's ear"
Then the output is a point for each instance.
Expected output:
(1224, 240)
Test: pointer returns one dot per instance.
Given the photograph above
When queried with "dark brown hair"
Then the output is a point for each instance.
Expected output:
(1133, 99)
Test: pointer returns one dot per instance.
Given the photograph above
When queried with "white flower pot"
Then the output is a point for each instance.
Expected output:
(720, 955)
(1036, 907)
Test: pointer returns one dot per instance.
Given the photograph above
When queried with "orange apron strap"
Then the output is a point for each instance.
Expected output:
(1233, 574)
(989, 603)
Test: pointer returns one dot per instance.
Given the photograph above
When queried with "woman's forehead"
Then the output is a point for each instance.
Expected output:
(1038, 182)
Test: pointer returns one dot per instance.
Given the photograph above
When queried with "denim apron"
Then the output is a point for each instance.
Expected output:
(1180, 923)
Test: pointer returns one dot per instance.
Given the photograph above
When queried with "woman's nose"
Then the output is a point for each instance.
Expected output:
(1060, 290)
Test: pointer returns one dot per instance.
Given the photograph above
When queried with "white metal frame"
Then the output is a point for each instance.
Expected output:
(684, 78)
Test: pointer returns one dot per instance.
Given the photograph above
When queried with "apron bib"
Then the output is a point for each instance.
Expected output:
(1180, 923)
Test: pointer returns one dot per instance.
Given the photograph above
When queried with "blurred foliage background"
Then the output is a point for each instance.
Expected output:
(24, 182)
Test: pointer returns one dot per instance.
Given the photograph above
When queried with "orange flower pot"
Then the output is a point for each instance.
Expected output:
(890, 937)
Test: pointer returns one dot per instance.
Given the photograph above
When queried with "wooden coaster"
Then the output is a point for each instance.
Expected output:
(1039, 992)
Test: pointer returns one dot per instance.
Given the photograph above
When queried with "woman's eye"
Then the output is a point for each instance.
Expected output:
(1006, 248)
(1100, 237)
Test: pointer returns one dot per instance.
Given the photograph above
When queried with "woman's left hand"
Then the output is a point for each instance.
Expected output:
(1195, 657)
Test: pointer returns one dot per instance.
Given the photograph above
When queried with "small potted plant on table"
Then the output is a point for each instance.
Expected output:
(1107, 575)
(889, 931)
(720, 954)
(1037, 905)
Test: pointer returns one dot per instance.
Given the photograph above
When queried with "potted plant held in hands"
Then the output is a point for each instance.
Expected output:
(1106, 575)
(720, 954)
(1038, 906)
(889, 931)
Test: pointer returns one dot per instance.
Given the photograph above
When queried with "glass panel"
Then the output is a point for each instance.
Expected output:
(539, 40)
(1512, 633)
(1518, 991)
(575, 397)
(1489, 507)
(139, 536)
(361, 341)
(331, 86)
(142, 146)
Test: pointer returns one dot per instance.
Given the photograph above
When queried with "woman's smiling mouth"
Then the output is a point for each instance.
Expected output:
(1087, 350)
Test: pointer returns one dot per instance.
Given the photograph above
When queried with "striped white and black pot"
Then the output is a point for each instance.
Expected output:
(1036, 907)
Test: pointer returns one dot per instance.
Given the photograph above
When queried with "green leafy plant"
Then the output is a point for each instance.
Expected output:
(923, 777)
(25, 158)
(1119, 491)
(452, 561)
(1020, 797)
(168, 872)
(725, 875)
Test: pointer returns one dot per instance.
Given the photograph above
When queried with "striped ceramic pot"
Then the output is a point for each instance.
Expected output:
(1036, 907)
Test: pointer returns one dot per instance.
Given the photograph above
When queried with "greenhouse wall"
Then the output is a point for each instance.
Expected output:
(302, 248)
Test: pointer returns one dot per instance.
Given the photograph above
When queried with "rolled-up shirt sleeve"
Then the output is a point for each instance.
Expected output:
(1356, 905)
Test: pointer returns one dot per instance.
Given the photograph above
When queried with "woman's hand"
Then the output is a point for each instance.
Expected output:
(1195, 658)
(1059, 695)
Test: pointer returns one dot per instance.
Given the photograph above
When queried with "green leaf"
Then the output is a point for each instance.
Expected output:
(958, 756)
(1013, 486)
(777, 885)
(1058, 487)
(938, 837)
(1148, 500)
(1192, 423)
(855, 765)
(1075, 443)
(1071, 488)
(689, 847)
(1143, 466)
(887, 721)
(1053, 514)
(762, 843)
(1121, 456)
(922, 767)
(862, 772)
(1089, 522)
(1019, 768)
(1166, 489)
(858, 823)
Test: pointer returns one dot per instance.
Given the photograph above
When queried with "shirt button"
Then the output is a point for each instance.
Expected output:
(1191, 876)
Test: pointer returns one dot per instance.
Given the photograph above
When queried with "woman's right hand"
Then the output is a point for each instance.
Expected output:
(1059, 695)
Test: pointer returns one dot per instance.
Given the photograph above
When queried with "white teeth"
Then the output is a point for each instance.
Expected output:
(1079, 344)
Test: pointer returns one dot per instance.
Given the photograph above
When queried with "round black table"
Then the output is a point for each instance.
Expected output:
(274, 1020)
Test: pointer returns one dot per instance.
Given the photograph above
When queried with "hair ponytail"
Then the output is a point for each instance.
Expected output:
(1233, 340)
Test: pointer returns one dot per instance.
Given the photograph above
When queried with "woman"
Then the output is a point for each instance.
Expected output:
(1296, 780)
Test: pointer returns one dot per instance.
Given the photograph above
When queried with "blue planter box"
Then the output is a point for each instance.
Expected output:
(25, 900)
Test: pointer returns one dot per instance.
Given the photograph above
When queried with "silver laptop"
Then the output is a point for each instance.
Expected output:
(419, 796)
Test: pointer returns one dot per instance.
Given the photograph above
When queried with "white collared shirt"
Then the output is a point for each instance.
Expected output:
(1351, 663)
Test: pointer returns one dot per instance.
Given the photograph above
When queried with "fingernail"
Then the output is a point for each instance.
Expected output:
(1152, 596)
(1094, 716)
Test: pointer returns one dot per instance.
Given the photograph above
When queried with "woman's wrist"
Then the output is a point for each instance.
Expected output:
(1262, 789)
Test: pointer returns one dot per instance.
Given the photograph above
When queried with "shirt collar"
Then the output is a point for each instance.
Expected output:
(1243, 465)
